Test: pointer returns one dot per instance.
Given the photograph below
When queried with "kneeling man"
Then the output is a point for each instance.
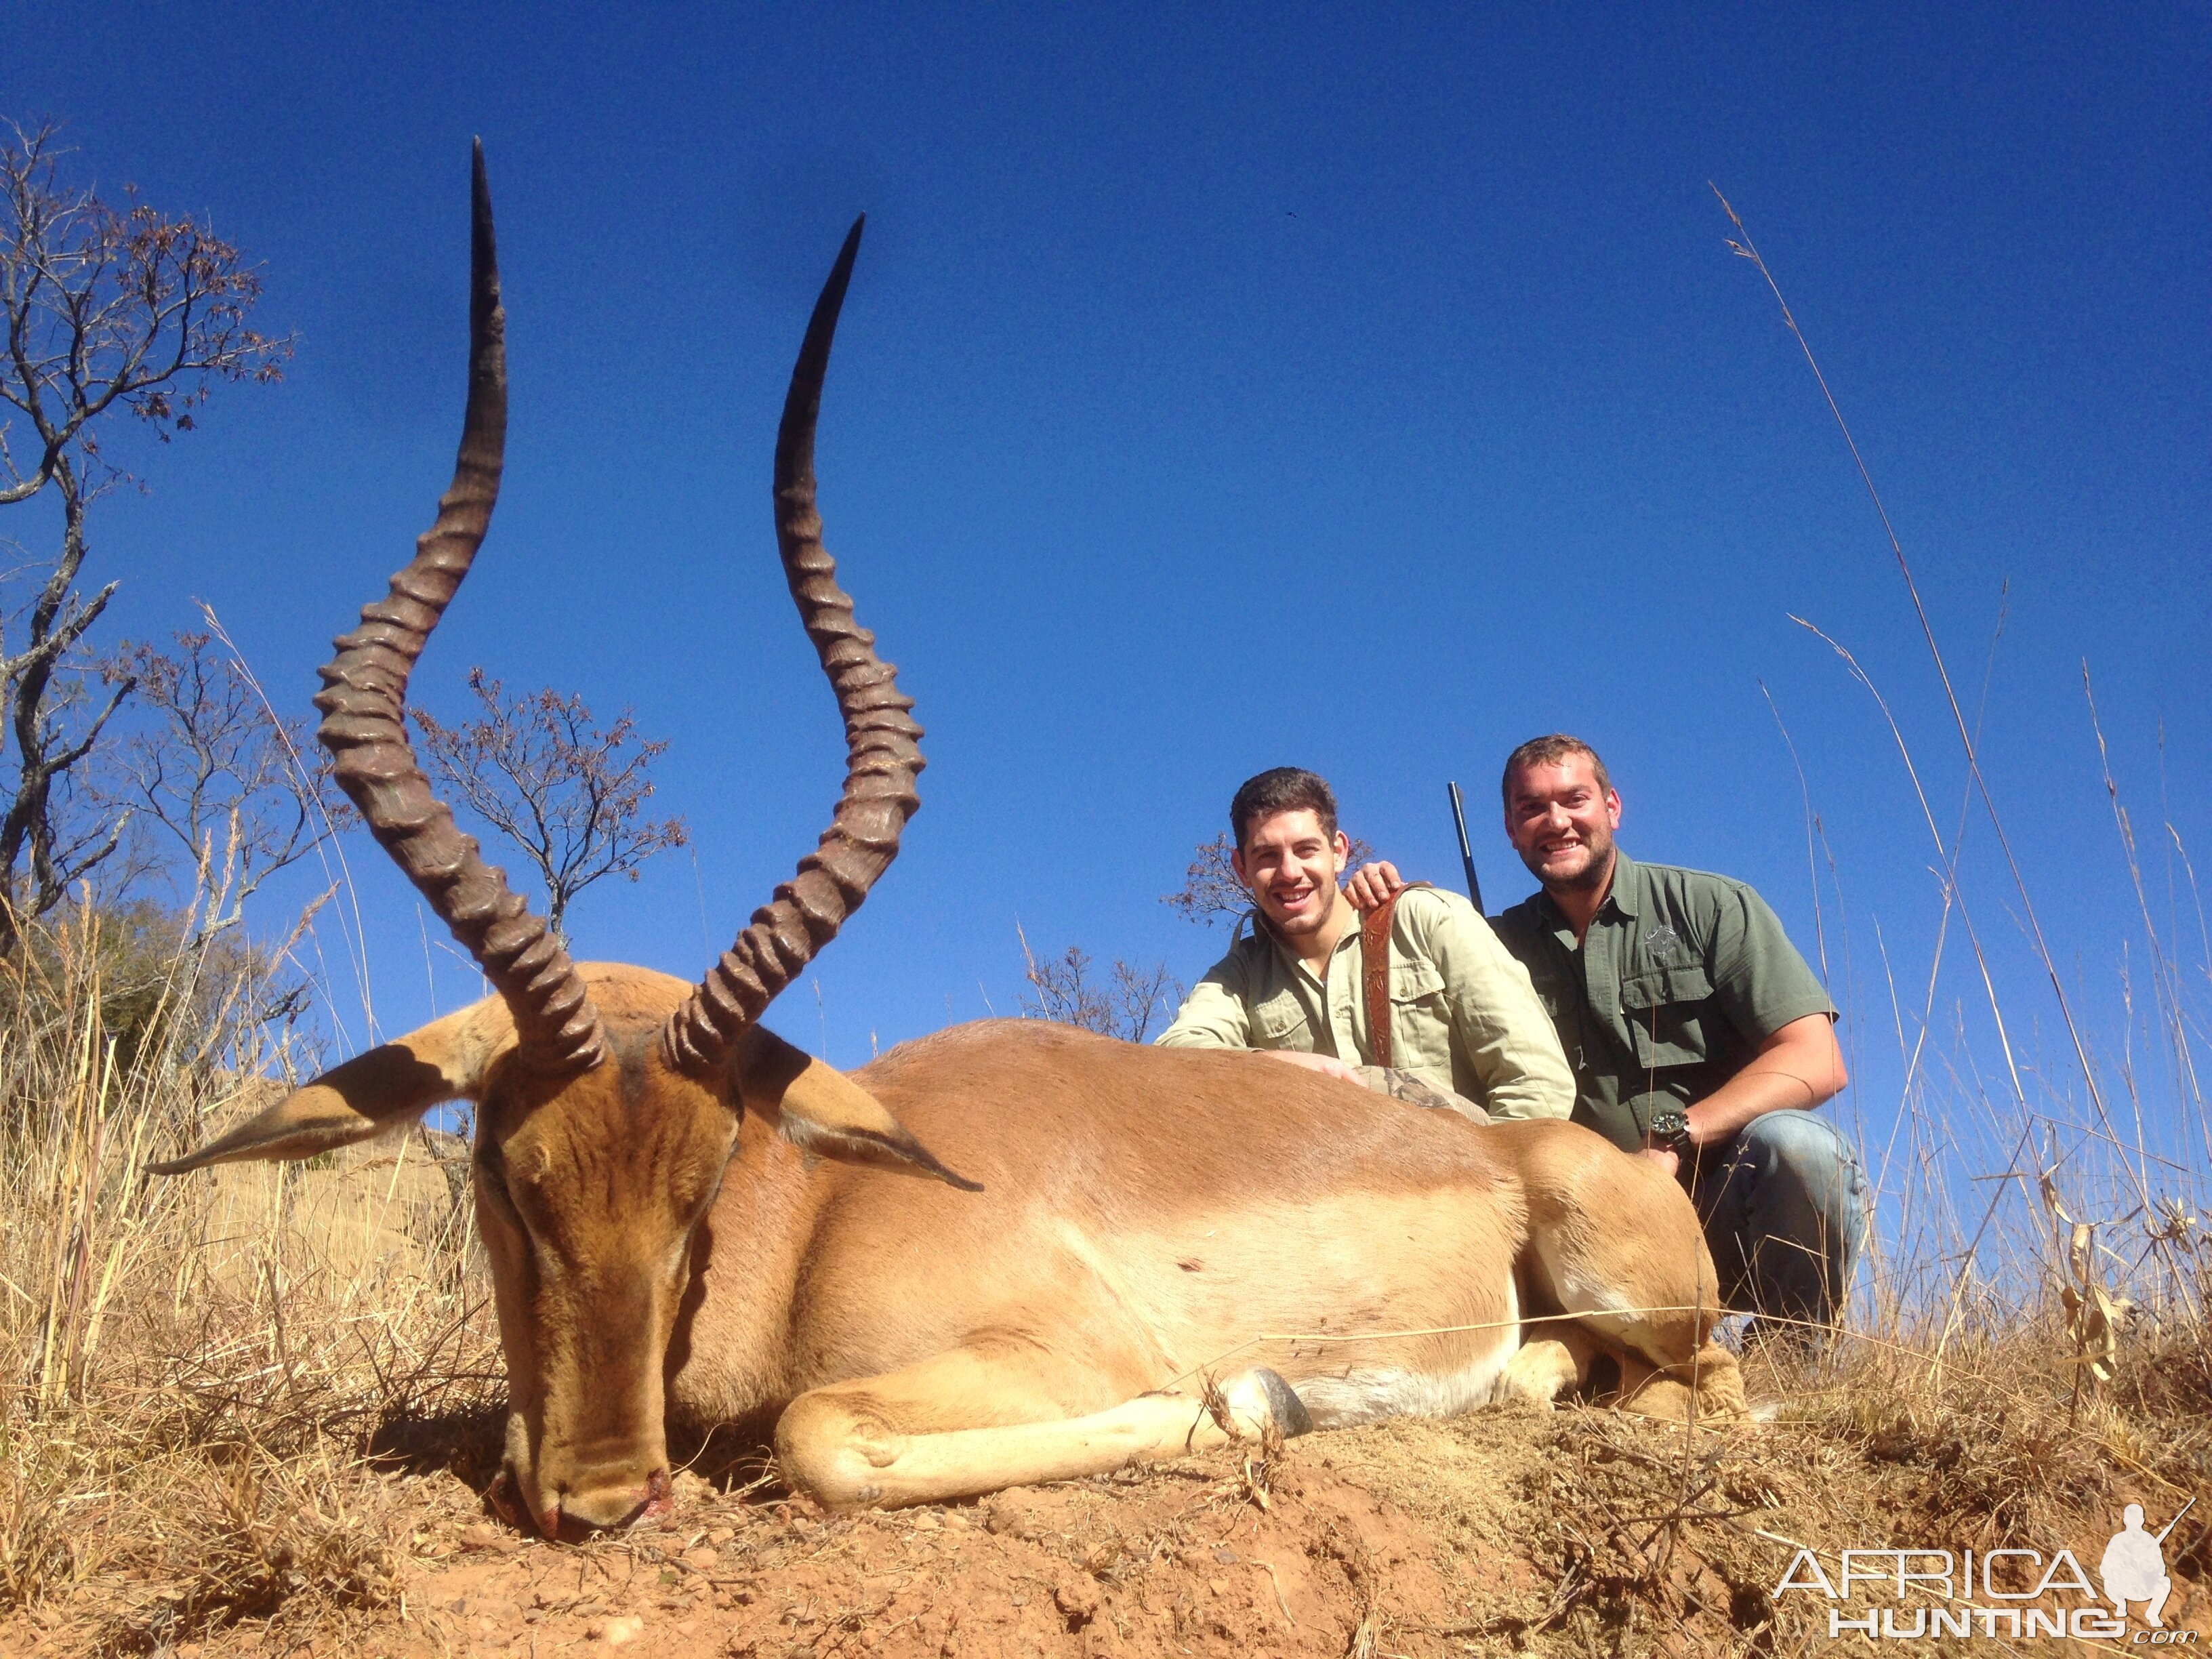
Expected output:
(1462, 1015)
(1699, 1037)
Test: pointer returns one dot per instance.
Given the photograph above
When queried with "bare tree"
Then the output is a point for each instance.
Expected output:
(1138, 995)
(1213, 893)
(570, 796)
(1125, 1005)
(107, 311)
(213, 771)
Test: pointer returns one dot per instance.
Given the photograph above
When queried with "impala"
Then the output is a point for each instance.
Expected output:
(685, 1214)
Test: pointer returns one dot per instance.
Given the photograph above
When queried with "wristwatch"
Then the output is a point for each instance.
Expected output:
(1671, 1129)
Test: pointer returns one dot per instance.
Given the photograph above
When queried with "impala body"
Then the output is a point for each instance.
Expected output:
(1006, 1253)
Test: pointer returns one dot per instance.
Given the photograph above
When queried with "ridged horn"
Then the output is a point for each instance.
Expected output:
(881, 740)
(364, 703)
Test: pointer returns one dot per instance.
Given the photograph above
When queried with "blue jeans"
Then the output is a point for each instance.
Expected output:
(1784, 1212)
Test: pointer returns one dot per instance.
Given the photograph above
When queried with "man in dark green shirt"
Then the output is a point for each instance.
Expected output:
(1698, 1036)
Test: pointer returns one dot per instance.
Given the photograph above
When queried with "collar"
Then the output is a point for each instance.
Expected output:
(1620, 897)
(1264, 929)
(1623, 895)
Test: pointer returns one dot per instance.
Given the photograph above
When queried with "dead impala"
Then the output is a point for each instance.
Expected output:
(685, 1214)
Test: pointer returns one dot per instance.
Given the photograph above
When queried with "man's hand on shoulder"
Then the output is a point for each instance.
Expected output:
(1373, 884)
(1327, 1065)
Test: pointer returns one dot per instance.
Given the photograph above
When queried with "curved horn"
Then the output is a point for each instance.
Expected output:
(882, 755)
(365, 722)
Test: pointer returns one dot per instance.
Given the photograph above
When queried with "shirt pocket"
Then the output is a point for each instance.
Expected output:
(1668, 1010)
(1281, 1022)
(1420, 1035)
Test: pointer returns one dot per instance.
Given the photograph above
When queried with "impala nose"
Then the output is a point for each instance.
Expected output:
(608, 1503)
(573, 1510)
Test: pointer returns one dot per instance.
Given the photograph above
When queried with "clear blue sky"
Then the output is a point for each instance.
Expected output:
(1223, 387)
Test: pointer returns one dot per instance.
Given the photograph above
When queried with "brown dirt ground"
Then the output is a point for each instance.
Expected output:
(1575, 1531)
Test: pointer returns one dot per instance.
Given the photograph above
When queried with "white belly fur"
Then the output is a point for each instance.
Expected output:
(1376, 1391)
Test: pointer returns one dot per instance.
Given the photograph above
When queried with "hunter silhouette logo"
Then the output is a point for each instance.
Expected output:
(2134, 1567)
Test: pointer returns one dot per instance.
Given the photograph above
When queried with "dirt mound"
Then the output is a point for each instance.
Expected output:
(1409, 1538)
(1573, 1531)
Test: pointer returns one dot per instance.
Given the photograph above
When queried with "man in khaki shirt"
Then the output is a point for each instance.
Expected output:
(1463, 1015)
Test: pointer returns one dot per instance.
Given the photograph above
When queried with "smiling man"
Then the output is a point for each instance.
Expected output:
(1699, 1037)
(1462, 1015)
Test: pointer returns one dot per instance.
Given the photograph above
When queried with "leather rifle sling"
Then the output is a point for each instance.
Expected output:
(1375, 963)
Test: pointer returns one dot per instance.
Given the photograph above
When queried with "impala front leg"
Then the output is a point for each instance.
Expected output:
(965, 1422)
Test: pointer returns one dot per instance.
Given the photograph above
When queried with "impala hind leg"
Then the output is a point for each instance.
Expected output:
(969, 1422)
(1645, 1287)
(1709, 1386)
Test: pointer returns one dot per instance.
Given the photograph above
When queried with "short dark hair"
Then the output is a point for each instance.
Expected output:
(1282, 789)
(1549, 750)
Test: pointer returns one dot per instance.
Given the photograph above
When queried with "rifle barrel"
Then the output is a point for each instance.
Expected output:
(2176, 1522)
(1466, 852)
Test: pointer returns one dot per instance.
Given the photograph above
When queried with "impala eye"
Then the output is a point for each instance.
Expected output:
(493, 1167)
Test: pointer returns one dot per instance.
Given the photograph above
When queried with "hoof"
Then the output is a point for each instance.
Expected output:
(1718, 1396)
(1288, 1412)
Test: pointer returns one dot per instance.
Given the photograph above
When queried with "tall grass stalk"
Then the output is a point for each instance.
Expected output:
(195, 1370)
(2096, 1203)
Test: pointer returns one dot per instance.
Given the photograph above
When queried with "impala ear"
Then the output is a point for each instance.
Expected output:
(819, 1109)
(371, 1092)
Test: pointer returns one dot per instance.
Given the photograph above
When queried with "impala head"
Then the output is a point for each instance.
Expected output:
(608, 1098)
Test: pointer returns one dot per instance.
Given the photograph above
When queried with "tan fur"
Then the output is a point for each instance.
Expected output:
(755, 1248)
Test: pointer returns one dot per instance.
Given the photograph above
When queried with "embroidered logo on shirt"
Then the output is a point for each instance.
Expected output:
(1665, 945)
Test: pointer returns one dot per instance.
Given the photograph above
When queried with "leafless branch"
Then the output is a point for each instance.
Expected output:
(210, 770)
(1125, 1006)
(570, 796)
(105, 309)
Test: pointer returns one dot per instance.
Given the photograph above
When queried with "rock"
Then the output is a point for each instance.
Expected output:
(616, 1631)
(702, 1559)
(1076, 1597)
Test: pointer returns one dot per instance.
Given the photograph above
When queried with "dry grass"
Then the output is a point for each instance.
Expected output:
(199, 1370)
